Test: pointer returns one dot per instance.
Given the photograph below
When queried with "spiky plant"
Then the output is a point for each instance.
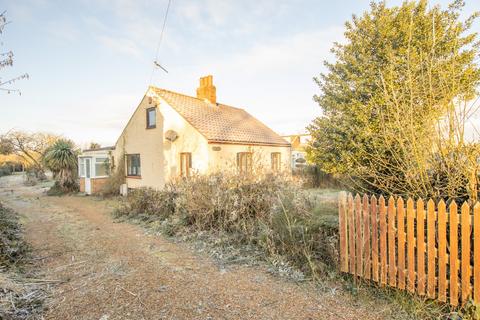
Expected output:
(61, 159)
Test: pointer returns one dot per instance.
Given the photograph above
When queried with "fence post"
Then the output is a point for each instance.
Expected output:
(401, 243)
(366, 237)
(410, 246)
(453, 231)
(358, 234)
(351, 233)
(465, 225)
(421, 247)
(373, 213)
(476, 253)
(383, 240)
(442, 246)
(342, 221)
(431, 248)
(392, 279)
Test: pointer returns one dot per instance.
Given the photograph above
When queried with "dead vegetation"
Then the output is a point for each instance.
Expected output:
(269, 212)
(21, 296)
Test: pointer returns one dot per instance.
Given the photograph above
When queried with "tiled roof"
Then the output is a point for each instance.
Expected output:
(221, 123)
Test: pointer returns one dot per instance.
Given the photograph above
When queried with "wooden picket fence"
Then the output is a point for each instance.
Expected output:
(424, 249)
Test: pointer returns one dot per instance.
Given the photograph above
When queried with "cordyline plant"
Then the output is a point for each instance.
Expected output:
(61, 159)
(396, 102)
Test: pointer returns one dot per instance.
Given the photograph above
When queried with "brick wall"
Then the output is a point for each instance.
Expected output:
(97, 184)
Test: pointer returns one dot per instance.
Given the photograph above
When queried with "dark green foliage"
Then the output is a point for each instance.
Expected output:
(61, 159)
(391, 97)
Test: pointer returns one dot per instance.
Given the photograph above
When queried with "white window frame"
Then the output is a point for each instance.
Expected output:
(81, 166)
(95, 166)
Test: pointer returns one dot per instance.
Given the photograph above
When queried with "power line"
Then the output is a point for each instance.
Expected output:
(155, 62)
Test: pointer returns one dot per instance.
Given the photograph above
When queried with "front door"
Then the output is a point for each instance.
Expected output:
(88, 182)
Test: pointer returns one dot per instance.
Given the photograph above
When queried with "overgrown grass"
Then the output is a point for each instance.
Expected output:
(270, 212)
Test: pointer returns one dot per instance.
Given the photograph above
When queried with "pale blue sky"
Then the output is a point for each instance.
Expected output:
(90, 61)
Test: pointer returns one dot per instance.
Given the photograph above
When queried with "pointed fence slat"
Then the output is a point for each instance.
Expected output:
(366, 238)
(410, 246)
(373, 217)
(453, 232)
(476, 253)
(431, 249)
(421, 276)
(401, 243)
(383, 240)
(351, 234)
(392, 279)
(465, 227)
(359, 238)
(442, 254)
(342, 225)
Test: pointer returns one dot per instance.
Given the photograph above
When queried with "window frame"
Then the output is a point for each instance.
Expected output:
(148, 110)
(245, 166)
(127, 168)
(184, 164)
(81, 167)
(105, 163)
(275, 161)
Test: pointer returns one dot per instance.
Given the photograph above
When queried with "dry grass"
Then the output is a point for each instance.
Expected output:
(270, 212)
(20, 298)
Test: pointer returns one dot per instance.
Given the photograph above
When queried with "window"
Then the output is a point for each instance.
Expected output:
(81, 167)
(151, 118)
(185, 164)
(102, 167)
(133, 165)
(276, 161)
(244, 162)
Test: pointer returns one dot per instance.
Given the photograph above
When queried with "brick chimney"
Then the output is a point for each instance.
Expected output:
(207, 90)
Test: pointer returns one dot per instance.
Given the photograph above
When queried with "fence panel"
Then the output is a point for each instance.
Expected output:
(433, 251)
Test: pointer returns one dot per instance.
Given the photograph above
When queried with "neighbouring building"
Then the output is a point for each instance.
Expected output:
(299, 155)
(172, 134)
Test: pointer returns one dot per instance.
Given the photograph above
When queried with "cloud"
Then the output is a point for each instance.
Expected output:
(296, 53)
(120, 45)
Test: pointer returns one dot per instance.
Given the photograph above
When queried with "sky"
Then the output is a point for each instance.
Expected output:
(91, 61)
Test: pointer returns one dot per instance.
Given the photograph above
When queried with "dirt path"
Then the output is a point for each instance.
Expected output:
(110, 270)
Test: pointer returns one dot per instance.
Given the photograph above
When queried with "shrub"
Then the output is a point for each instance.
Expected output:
(270, 211)
(115, 180)
(61, 159)
(314, 177)
(5, 170)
